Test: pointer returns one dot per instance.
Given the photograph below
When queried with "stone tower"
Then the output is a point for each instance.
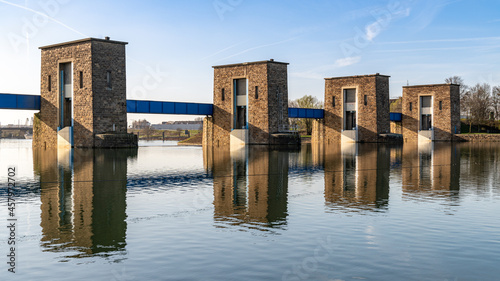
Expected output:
(431, 112)
(250, 104)
(83, 95)
(356, 110)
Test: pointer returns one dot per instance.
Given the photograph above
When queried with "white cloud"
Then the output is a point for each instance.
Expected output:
(373, 30)
(347, 61)
(322, 71)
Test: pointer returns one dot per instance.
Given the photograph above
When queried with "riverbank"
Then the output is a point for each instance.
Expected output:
(478, 137)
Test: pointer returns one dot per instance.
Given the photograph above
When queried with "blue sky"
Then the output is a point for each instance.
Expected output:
(176, 43)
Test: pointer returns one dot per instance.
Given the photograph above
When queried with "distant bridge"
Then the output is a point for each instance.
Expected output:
(32, 102)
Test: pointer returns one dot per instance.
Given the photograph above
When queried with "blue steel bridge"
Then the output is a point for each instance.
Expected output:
(32, 102)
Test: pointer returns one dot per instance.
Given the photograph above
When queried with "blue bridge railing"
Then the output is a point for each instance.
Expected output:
(306, 113)
(23, 102)
(396, 117)
(32, 102)
(165, 107)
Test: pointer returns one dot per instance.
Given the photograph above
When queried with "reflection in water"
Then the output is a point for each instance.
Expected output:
(430, 169)
(83, 195)
(480, 166)
(356, 176)
(250, 187)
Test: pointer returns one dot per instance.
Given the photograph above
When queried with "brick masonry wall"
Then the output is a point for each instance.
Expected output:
(110, 104)
(318, 131)
(445, 121)
(262, 111)
(372, 119)
(278, 97)
(80, 55)
(396, 127)
(208, 130)
(382, 105)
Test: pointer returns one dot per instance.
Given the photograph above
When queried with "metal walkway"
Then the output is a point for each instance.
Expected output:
(32, 102)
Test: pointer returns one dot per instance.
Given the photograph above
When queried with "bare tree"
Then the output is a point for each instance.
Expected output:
(464, 102)
(396, 105)
(479, 103)
(147, 131)
(307, 101)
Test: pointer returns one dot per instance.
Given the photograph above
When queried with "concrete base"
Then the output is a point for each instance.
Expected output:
(425, 136)
(391, 138)
(290, 139)
(349, 136)
(64, 138)
(112, 140)
(238, 138)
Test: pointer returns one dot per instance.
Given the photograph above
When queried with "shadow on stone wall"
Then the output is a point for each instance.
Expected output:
(45, 132)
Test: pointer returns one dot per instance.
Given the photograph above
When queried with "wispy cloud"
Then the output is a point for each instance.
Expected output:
(437, 49)
(42, 14)
(441, 40)
(221, 51)
(384, 17)
(322, 71)
(429, 10)
(258, 47)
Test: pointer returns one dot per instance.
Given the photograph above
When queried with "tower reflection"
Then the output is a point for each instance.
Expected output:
(83, 196)
(356, 176)
(430, 169)
(250, 187)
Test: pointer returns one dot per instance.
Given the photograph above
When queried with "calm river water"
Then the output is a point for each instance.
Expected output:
(358, 212)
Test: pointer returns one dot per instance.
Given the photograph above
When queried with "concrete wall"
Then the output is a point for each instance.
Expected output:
(445, 121)
(110, 104)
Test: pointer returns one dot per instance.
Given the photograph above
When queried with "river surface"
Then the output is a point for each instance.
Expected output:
(163, 212)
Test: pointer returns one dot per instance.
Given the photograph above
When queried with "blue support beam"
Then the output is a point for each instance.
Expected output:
(166, 107)
(306, 113)
(396, 117)
(19, 102)
(32, 102)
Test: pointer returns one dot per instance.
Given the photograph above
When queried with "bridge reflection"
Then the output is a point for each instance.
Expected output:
(83, 198)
